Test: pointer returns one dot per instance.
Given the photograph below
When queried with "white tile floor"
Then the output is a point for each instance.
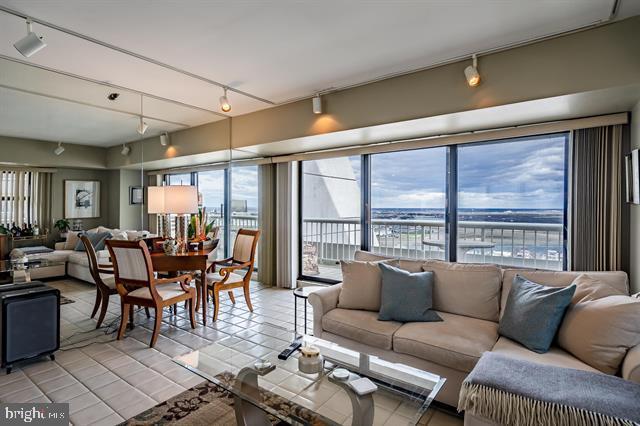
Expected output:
(107, 381)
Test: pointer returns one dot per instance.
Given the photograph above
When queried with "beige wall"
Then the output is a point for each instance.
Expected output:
(601, 58)
(57, 206)
(40, 153)
(634, 272)
(130, 215)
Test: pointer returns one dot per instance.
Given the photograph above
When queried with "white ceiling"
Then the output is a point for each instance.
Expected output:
(276, 50)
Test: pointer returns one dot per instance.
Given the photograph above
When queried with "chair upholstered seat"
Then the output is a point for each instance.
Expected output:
(110, 282)
(216, 277)
(165, 291)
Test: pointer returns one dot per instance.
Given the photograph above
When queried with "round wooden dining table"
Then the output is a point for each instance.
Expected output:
(190, 261)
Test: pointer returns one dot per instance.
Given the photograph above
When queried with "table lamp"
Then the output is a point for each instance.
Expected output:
(156, 205)
(181, 200)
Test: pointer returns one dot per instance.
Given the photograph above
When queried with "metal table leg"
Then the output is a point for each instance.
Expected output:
(247, 414)
(295, 315)
(305, 316)
(362, 406)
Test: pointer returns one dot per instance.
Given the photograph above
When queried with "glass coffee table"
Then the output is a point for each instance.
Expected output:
(259, 386)
(17, 272)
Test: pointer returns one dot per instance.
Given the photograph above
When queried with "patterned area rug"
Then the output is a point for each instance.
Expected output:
(209, 404)
(66, 300)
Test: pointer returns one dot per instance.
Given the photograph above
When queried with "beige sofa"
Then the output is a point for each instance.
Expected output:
(470, 299)
(76, 262)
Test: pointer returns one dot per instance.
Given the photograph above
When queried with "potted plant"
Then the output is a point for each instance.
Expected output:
(62, 225)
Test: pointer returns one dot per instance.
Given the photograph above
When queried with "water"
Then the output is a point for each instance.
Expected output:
(473, 215)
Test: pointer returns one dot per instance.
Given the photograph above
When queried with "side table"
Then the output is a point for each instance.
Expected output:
(302, 293)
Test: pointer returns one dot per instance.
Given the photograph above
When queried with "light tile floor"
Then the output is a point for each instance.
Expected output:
(106, 381)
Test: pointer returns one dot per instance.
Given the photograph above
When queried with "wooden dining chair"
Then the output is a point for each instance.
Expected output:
(226, 279)
(137, 284)
(105, 287)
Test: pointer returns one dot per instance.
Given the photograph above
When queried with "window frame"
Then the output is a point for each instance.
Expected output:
(451, 200)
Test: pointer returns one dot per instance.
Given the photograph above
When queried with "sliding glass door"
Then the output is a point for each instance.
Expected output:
(211, 186)
(502, 202)
(511, 202)
(244, 200)
(408, 203)
(331, 212)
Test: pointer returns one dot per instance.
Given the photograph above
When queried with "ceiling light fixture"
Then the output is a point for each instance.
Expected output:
(142, 126)
(164, 139)
(225, 106)
(471, 72)
(59, 150)
(29, 44)
(317, 104)
(125, 150)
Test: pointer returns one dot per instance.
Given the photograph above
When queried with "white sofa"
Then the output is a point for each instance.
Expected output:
(76, 262)
(470, 310)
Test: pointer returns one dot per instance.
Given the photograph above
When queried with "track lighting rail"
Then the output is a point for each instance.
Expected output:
(130, 53)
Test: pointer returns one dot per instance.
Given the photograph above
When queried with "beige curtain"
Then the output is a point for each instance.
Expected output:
(267, 224)
(41, 194)
(287, 224)
(596, 199)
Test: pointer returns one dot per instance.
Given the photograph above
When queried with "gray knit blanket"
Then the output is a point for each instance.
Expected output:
(510, 391)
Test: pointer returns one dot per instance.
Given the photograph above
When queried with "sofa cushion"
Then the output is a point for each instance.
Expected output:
(555, 356)
(73, 237)
(616, 279)
(589, 288)
(80, 257)
(54, 256)
(457, 342)
(466, 289)
(361, 326)
(361, 285)
(97, 240)
(367, 256)
(406, 296)
(600, 332)
(534, 312)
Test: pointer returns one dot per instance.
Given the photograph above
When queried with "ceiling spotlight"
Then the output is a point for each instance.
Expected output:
(29, 44)
(164, 139)
(59, 150)
(471, 73)
(142, 126)
(225, 106)
(125, 150)
(317, 104)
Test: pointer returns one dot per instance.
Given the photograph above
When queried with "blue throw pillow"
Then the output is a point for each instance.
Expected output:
(97, 239)
(534, 312)
(406, 297)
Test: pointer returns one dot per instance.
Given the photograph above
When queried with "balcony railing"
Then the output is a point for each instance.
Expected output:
(326, 241)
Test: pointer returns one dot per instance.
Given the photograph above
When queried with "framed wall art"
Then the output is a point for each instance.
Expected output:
(81, 199)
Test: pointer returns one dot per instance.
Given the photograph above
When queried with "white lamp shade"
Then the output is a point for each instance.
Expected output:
(181, 199)
(155, 200)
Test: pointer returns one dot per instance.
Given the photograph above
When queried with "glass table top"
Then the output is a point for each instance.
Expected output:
(402, 397)
(10, 266)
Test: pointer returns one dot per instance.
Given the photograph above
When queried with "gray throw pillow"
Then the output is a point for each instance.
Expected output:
(533, 313)
(97, 239)
(406, 297)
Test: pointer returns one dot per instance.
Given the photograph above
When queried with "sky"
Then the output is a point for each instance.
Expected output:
(516, 174)
(524, 173)
(244, 187)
